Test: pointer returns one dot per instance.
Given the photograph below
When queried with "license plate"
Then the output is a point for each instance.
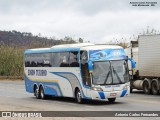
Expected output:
(108, 86)
(113, 94)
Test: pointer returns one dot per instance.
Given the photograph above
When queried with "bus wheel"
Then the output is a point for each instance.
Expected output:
(36, 92)
(146, 87)
(155, 88)
(111, 100)
(78, 96)
(42, 95)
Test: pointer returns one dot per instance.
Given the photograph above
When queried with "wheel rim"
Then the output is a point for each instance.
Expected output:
(79, 96)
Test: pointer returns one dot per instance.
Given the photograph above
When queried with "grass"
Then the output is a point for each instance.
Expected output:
(11, 61)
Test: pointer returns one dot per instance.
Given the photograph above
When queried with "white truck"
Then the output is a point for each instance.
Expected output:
(146, 53)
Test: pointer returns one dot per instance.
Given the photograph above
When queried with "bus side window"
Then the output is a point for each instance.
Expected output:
(84, 68)
(38, 60)
(32, 60)
(27, 60)
(43, 59)
(46, 59)
(64, 59)
(73, 59)
(55, 59)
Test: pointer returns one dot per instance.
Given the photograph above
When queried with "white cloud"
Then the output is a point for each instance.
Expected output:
(95, 23)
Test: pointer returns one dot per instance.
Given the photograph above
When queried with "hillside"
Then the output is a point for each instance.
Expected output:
(28, 40)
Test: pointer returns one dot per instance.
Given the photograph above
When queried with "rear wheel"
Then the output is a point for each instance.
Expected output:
(36, 92)
(111, 100)
(78, 96)
(155, 88)
(42, 95)
(146, 88)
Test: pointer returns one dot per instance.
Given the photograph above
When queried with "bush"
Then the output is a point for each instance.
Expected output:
(11, 61)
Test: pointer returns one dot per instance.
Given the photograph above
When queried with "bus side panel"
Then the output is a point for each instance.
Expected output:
(29, 85)
(60, 88)
(50, 91)
(50, 88)
(58, 82)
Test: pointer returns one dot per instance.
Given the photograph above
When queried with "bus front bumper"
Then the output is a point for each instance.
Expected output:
(101, 95)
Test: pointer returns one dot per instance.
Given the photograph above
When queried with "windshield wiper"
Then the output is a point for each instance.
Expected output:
(117, 75)
(107, 77)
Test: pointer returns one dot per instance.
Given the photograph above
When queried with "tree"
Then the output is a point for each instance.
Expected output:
(149, 31)
(80, 40)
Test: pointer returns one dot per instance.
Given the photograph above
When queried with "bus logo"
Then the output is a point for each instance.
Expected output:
(116, 52)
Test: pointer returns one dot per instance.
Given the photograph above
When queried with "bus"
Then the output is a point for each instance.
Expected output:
(81, 71)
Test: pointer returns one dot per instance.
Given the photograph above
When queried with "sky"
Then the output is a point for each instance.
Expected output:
(97, 21)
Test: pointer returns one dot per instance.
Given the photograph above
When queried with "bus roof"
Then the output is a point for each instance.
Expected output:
(72, 47)
(100, 47)
(78, 45)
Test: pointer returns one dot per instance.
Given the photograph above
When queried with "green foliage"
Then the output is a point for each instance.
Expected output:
(11, 61)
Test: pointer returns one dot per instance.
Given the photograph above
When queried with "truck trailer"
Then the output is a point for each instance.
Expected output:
(146, 53)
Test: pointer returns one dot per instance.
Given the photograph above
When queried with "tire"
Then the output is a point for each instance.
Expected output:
(154, 88)
(78, 96)
(111, 100)
(42, 94)
(146, 88)
(36, 93)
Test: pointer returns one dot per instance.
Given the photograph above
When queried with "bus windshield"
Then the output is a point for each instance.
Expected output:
(110, 72)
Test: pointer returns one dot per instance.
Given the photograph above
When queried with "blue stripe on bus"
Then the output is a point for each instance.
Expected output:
(123, 93)
(101, 94)
(49, 90)
(59, 74)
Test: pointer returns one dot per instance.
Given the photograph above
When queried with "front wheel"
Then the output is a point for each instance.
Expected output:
(78, 96)
(111, 100)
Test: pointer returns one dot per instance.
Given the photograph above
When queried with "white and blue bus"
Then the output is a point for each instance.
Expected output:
(82, 71)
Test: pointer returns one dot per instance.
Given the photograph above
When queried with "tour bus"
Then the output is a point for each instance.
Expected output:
(81, 71)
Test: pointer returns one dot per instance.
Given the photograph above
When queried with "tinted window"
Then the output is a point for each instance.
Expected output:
(57, 59)
(64, 59)
(73, 59)
(60, 59)
(83, 57)
(84, 68)
(38, 60)
(27, 60)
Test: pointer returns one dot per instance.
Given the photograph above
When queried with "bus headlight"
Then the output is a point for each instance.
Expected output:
(97, 88)
(125, 87)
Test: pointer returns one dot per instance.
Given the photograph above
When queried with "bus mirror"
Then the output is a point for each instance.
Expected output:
(90, 66)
